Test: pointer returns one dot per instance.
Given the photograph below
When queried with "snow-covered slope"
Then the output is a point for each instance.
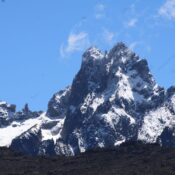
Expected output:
(112, 99)
(158, 120)
(6, 113)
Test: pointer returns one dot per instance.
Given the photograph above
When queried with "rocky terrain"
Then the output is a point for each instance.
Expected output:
(113, 99)
(129, 159)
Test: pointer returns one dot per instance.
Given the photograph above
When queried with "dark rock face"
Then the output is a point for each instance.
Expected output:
(28, 145)
(58, 104)
(171, 91)
(108, 99)
(6, 113)
(115, 118)
(167, 139)
(112, 99)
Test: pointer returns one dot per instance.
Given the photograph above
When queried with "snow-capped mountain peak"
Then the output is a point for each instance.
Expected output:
(112, 99)
(92, 53)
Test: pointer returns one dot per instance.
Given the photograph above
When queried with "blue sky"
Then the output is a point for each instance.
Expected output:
(41, 42)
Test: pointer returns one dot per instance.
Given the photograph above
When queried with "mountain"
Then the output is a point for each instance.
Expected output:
(113, 99)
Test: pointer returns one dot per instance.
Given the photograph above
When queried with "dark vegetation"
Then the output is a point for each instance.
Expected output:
(129, 159)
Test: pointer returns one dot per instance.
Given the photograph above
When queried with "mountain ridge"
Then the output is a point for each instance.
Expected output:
(113, 99)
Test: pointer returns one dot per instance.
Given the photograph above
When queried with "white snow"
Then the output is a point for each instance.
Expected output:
(7, 134)
(4, 112)
(97, 102)
(94, 53)
(65, 149)
(2, 102)
(101, 144)
(86, 103)
(59, 96)
(34, 130)
(114, 115)
(154, 124)
(81, 143)
(108, 66)
(10, 132)
(92, 100)
(119, 142)
(128, 82)
(121, 112)
(111, 118)
(124, 88)
(53, 133)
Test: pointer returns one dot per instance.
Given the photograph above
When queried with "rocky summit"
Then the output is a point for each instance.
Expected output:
(113, 99)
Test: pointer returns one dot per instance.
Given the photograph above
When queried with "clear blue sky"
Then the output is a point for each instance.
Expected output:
(41, 41)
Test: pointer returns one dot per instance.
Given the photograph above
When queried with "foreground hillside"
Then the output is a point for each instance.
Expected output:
(129, 159)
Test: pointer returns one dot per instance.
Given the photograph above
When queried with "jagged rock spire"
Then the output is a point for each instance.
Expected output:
(112, 99)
